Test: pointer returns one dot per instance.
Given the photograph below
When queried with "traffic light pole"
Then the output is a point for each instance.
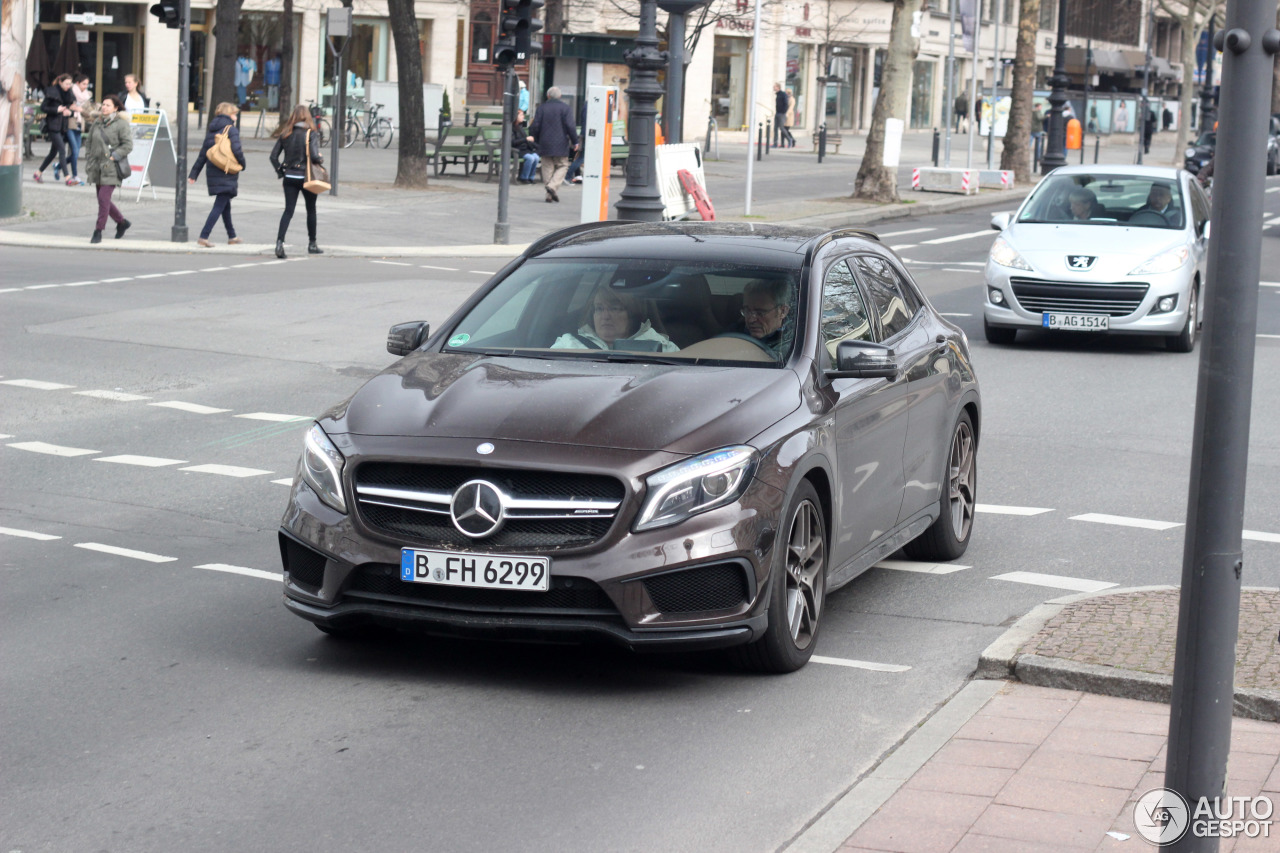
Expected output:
(502, 228)
(179, 234)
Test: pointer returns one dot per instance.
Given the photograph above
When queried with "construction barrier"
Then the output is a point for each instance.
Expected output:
(963, 181)
(996, 179)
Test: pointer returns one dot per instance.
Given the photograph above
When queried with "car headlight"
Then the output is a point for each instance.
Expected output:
(1191, 152)
(322, 467)
(1005, 255)
(695, 485)
(1166, 261)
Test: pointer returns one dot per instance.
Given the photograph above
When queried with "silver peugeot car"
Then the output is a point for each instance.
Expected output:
(1101, 249)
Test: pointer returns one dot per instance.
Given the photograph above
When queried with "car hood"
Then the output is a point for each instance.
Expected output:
(1116, 249)
(683, 409)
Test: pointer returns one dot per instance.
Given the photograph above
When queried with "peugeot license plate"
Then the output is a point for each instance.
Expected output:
(478, 571)
(1077, 322)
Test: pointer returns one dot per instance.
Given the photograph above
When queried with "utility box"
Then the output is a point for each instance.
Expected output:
(962, 181)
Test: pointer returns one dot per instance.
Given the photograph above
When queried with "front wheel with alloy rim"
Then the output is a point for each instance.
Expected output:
(948, 536)
(799, 589)
(1186, 340)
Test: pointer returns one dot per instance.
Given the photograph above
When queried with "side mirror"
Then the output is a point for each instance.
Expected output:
(863, 359)
(1000, 221)
(404, 338)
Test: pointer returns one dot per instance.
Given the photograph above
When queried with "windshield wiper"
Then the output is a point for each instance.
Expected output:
(637, 357)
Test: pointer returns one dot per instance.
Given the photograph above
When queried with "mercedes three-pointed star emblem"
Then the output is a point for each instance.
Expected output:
(477, 509)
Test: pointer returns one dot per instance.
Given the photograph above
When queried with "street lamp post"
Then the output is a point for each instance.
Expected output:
(641, 198)
(673, 105)
(1055, 154)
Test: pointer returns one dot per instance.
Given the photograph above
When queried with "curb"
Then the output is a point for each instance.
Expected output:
(1001, 660)
(899, 763)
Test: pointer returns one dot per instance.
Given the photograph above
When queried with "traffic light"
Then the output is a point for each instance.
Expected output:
(505, 52)
(527, 26)
(169, 12)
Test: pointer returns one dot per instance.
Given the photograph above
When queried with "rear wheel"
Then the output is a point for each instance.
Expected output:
(948, 536)
(1186, 340)
(381, 132)
(350, 133)
(998, 334)
(799, 589)
(322, 130)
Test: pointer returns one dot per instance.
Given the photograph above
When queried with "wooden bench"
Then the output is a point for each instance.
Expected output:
(833, 142)
(619, 150)
(491, 139)
(458, 145)
(488, 116)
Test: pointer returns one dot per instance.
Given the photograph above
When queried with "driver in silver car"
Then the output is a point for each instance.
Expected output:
(1160, 200)
(766, 304)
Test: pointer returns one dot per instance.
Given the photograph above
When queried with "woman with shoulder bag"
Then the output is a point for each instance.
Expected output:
(223, 183)
(58, 107)
(106, 162)
(296, 144)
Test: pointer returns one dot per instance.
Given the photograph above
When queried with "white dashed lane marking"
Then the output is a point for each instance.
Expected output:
(36, 384)
(944, 314)
(52, 449)
(27, 534)
(859, 664)
(288, 482)
(392, 263)
(118, 396)
(480, 272)
(125, 552)
(920, 568)
(1054, 581)
(1259, 536)
(997, 509)
(144, 461)
(1123, 521)
(226, 470)
(444, 269)
(194, 408)
(242, 570)
(41, 286)
(905, 233)
(114, 280)
(271, 416)
(153, 275)
(955, 238)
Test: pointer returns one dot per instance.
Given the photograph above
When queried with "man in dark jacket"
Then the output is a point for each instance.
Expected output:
(557, 139)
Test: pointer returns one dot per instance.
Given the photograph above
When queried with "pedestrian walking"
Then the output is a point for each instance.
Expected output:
(1148, 130)
(554, 133)
(58, 107)
(133, 97)
(961, 108)
(76, 126)
(781, 106)
(528, 151)
(223, 184)
(106, 155)
(296, 144)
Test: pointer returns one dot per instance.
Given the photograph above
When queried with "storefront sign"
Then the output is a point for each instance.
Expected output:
(735, 24)
(804, 32)
(89, 19)
(153, 158)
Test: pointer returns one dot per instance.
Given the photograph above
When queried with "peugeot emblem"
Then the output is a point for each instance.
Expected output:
(477, 509)
(1080, 262)
(485, 449)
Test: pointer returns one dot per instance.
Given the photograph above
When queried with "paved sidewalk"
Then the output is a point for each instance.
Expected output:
(1031, 767)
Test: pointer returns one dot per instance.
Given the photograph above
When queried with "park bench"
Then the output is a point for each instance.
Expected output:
(458, 145)
(491, 138)
(618, 148)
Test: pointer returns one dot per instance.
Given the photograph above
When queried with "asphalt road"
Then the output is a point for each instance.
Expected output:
(157, 696)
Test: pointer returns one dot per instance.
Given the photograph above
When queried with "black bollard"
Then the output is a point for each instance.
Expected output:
(937, 139)
(822, 142)
(760, 142)
(1097, 142)
(767, 146)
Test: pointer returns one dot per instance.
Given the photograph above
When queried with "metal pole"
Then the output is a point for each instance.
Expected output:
(673, 109)
(976, 122)
(995, 87)
(1084, 134)
(179, 232)
(1055, 154)
(641, 198)
(502, 228)
(951, 80)
(1209, 610)
(339, 112)
(753, 88)
(1206, 94)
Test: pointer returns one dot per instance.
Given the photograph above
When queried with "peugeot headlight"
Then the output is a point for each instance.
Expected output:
(695, 485)
(1005, 255)
(1166, 261)
(322, 467)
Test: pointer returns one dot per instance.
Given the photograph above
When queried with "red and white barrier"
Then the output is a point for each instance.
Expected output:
(963, 181)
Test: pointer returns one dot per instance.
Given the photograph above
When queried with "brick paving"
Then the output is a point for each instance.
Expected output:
(1041, 769)
(1138, 631)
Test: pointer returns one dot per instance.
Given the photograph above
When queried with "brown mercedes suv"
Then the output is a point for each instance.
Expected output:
(678, 435)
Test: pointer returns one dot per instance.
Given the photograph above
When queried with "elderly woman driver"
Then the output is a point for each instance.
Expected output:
(611, 317)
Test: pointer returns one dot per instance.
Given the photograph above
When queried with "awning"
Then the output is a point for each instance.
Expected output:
(1104, 62)
(592, 47)
(1160, 67)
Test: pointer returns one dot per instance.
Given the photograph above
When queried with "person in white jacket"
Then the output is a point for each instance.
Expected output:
(612, 317)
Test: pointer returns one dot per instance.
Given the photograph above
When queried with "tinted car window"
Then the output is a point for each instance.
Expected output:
(893, 302)
(844, 314)
(1107, 200)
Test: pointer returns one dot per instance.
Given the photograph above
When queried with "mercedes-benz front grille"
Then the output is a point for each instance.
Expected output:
(1118, 299)
(542, 510)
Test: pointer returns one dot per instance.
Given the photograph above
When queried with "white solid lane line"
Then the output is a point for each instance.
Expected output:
(27, 534)
(1054, 581)
(288, 482)
(997, 509)
(904, 233)
(119, 396)
(957, 237)
(114, 280)
(1259, 536)
(945, 314)
(152, 275)
(36, 384)
(227, 470)
(78, 283)
(144, 461)
(903, 248)
(859, 664)
(2, 436)
(241, 570)
(53, 449)
(125, 552)
(271, 416)
(952, 269)
(1124, 521)
(1269, 284)
(40, 286)
(194, 408)
(920, 568)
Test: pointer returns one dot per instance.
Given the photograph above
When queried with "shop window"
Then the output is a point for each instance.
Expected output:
(259, 71)
(922, 94)
(366, 57)
(481, 37)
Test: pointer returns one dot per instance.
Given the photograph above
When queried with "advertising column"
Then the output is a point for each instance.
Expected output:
(597, 149)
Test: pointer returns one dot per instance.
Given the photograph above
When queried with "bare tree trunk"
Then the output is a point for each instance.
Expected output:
(875, 181)
(1275, 75)
(1192, 19)
(227, 32)
(1016, 155)
(411, 167)
(286, 61)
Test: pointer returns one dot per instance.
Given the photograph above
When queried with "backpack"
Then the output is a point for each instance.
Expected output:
(221, 155)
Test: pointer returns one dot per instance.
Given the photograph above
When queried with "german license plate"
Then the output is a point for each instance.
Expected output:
(478, 571)
(1077, 322)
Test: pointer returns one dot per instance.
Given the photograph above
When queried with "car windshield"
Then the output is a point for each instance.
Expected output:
(1115, 200)
(1208, 139)
(660, 311)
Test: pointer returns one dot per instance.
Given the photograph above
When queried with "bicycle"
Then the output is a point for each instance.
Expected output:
(376, 131)
(321, 123)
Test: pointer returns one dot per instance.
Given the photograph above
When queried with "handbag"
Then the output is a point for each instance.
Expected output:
(221, 155)
(317, 175)
(123, 170)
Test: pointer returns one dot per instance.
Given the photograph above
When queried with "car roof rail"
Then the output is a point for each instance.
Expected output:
(556, 237)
